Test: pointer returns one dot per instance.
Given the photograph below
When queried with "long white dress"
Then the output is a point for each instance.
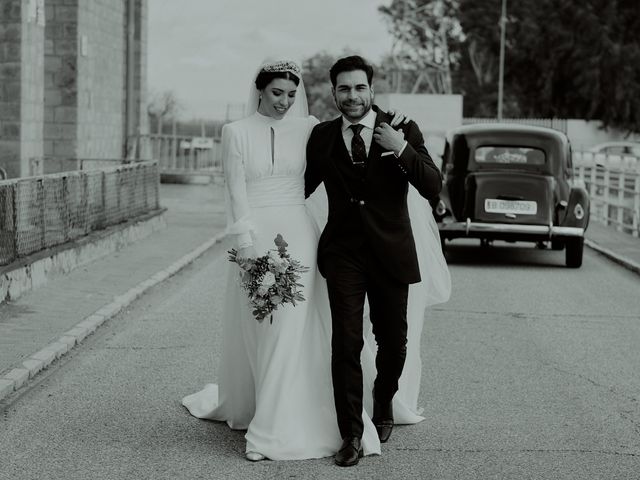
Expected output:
(275, 378)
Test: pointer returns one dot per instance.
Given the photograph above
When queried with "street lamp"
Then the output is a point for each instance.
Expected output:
(503, 25)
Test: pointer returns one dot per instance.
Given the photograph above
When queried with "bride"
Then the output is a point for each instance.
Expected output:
(274, 378)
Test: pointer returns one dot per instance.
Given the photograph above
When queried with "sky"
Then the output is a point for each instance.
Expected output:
(206, 51)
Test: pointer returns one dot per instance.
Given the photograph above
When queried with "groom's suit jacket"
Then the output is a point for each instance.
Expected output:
(369, 206)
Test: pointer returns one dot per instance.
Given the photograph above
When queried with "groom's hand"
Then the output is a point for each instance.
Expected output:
(389, 138)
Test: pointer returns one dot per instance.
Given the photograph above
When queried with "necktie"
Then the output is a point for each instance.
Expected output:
(358, 149)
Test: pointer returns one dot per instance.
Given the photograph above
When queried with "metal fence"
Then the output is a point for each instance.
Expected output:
(62, 164)
(40, 212)
(186, 154)
(614, 187)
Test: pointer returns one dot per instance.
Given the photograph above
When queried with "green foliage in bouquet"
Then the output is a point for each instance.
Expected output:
(270, 280)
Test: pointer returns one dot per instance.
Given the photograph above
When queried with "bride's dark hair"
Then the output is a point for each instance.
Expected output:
(265, 78)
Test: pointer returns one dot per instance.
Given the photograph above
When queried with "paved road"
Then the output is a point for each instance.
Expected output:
(530, 372)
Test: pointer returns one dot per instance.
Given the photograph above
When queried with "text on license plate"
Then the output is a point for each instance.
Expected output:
(519, 207)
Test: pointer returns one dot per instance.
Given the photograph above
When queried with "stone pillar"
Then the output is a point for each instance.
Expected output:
(140, 87)
(86, 79)
(61, 86)
(21, 86)
(135, 116)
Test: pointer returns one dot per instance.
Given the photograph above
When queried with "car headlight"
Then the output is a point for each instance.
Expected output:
(441, 209)
(578, 211)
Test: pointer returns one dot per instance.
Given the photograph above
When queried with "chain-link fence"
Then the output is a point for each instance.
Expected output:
(40, 212)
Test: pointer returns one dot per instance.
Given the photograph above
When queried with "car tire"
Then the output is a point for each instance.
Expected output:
(573, 252)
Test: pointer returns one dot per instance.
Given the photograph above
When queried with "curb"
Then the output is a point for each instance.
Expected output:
(17, 377)
(611, 255)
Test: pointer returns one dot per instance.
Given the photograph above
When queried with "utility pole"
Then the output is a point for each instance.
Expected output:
(503, 26)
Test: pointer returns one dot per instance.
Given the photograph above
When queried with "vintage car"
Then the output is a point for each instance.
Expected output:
(512, 182)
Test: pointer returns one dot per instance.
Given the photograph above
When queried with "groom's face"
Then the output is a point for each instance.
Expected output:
(353, 94)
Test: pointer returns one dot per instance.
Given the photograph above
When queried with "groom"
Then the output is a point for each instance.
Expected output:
(367, 247)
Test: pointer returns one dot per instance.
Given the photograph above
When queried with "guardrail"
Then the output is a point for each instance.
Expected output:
(44, 211)
(614, 187)
(186, 154)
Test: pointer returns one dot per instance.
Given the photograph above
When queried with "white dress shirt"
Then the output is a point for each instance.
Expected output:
(368, 122)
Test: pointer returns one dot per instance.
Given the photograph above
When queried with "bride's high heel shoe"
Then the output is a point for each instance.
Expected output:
(254, 456)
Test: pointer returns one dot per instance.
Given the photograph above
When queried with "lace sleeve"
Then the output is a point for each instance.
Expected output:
(238, 211)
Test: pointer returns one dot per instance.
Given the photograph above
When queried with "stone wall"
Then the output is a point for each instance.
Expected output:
(86, 80)
(61, 100)
(101, 78)
(141, 90)
(63, 82)
(21, 85)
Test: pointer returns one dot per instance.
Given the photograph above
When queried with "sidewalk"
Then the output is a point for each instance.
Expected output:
(620, 247)
(45, 323)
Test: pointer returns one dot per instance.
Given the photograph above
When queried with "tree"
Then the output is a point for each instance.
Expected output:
(163, 105)
(564, 58)
(476, 75)
(315, 73)
(581, 58)
(425, 32)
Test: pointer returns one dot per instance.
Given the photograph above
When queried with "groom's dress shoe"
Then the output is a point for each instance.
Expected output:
(383, 420)
(384, 429)
(350, 452)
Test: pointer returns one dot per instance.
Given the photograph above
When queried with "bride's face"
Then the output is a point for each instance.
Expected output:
(277, 97)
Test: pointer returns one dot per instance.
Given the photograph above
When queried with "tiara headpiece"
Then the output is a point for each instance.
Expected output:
(282, 66)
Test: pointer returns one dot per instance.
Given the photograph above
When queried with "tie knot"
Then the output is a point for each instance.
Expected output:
(357, 128)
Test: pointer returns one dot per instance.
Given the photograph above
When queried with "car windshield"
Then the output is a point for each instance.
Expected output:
(510, 155)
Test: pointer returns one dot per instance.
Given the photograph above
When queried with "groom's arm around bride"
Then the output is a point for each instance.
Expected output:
(407, 148)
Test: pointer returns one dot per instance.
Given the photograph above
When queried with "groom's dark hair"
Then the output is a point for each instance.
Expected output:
(350, 64)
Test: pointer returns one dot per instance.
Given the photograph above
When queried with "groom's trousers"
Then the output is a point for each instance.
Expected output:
(352, 274)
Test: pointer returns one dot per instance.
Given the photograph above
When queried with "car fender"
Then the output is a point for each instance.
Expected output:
(578, 201)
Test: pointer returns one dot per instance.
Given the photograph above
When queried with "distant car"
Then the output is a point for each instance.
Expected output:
(512, 182)
(623, 149)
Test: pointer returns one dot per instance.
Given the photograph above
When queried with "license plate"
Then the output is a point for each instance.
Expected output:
(517, 207)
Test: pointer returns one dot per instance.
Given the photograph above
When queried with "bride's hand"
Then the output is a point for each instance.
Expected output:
(247, 252)
(398, 118)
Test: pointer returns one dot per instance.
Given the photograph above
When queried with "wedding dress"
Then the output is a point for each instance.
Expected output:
(274, 379)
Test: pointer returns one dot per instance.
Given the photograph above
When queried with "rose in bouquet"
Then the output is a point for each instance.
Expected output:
(270, 280)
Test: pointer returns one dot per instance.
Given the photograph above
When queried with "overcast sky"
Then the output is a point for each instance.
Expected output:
(207, 50)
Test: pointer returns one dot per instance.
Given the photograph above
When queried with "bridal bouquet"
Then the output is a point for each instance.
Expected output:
(270, 280)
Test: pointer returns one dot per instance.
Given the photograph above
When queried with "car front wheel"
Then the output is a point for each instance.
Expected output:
(573, 252)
